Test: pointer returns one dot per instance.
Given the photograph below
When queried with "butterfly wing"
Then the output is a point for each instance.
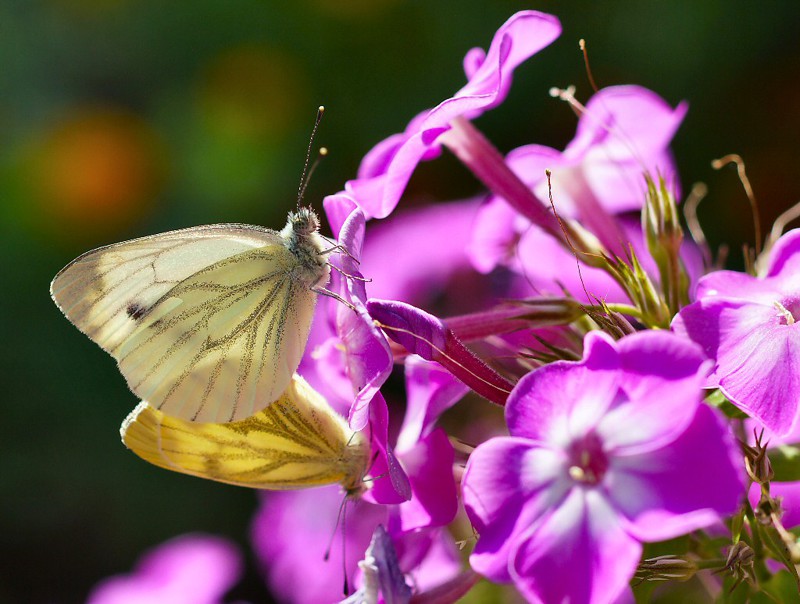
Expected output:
(207, 324)
(223, 343)
(104, 291)
(296, 442)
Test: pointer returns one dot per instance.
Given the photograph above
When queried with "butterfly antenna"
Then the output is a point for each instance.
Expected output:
(346, 585)
(301, 191)
(339, 516)
(340, 520)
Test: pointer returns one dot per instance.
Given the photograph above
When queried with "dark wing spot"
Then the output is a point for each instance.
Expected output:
(135, 310)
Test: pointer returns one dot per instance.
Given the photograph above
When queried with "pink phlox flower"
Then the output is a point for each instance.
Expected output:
(603, 454)
(191, 569)
(624, 132)
(748, 326)
(386, 169)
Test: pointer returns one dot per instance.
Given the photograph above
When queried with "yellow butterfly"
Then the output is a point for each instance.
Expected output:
(298, 441)
(207, 323)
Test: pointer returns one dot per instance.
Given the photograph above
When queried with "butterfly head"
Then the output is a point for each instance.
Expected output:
(303, 222)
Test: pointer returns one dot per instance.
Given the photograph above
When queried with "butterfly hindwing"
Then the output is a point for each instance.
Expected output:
(298, 441)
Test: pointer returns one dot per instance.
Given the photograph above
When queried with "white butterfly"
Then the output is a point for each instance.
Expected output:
(207, 324)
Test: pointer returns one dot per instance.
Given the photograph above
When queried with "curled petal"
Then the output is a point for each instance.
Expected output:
(391, 484)
(387, 168)
(423, 334)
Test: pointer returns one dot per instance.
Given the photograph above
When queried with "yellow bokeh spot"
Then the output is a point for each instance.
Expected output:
(252, 92)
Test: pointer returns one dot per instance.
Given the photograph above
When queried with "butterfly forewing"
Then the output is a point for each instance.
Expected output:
(223, 340)
(104, 291)
(298, 441)
(207, 324)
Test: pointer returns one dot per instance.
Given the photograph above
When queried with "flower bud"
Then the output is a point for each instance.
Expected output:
(664, 236)
(666, 568)
(757, 463)
(740, 562)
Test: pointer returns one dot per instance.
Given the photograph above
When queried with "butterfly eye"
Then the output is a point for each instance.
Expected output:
(305, 222)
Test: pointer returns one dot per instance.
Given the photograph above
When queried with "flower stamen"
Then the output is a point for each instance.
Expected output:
(784, 312)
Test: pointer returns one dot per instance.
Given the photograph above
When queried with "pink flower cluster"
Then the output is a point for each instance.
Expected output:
(568, 296)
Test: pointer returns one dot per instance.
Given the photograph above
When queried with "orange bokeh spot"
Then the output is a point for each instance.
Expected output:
(97, 170)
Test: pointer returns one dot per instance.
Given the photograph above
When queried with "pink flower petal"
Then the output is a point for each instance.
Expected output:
(757, 356)
(429, 466)
(686, 485)
(784, 257)
(730, 284)
(563, 400)
(430, 391)
(391, 484)
(626, 122)
(192, 569)
(508, 485)
(579, 554)
(661, 397)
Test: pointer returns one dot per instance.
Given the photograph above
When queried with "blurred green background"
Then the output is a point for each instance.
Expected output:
(120, 118)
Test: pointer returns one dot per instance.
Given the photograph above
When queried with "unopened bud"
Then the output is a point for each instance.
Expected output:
(666, 568)
(740, 563)
(756, 461)
(664, 236)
